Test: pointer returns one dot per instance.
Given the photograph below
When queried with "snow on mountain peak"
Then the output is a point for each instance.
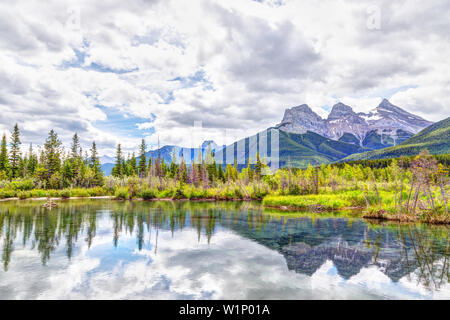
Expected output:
(386, 118)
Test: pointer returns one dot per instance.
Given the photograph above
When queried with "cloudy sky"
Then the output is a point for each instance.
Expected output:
(115, 71)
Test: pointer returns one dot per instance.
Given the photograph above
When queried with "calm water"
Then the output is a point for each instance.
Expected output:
(100, 249)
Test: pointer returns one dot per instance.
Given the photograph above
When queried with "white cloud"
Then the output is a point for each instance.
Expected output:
(233, 65)
(228, 267)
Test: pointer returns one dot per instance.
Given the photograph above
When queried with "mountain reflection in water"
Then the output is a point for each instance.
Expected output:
(188, 250)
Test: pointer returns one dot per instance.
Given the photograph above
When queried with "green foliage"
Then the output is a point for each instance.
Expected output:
(435, 138)
(15, 153)
(119, 168)
(22, 184)
(122, 193)
(52, 148)
(4, 161)
(142, 169)
(148, 194)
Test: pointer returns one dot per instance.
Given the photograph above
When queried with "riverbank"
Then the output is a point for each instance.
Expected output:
(380, 206)
(383, 206)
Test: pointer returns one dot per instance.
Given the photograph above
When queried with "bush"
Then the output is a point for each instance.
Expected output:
(122, 193)
(148, 194)
(38, 193)
(79, 192)
(24, 195)
(178, 194)
(4, 194)
(97, 191)
(65, 193)
(56, 181)
(22, 185)
(167, 193)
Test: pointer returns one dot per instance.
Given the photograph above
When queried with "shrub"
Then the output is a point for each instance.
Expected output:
(167, 193)
(122, 193)
(22, 185)
(4, 194)
(148, 194)
(79, 192)
(97, 191)
(38, 193)
(65, 193)
(178, 194)
(23, 195)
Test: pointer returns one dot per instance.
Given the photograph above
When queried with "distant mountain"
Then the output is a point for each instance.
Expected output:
(386, 125)
(296, 150)
(435, 138)
(306, 138)
(166, 152)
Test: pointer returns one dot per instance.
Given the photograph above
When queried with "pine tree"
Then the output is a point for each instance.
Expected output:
(258, 166)
(142, 170)
(133, 166)
(95, 166)
(249, 169)
(4, 162)
(211, 166)
(221, 174)
(117, 171)
(32, 161)
(173, 165)
(75, 145)
(15, 152)
(52, 153)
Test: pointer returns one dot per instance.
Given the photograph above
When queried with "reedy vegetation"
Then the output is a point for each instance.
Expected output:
(402, 189)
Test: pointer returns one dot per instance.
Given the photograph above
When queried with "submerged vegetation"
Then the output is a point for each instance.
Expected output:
(404, 189)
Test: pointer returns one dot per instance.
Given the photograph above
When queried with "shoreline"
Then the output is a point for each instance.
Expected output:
(118, 199)
(378, 216)
(317, 209)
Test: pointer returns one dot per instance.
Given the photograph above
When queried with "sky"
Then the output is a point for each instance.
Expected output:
(115, 71)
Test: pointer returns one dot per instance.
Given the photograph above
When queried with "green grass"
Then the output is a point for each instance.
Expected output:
(326, 201)
(64, 193)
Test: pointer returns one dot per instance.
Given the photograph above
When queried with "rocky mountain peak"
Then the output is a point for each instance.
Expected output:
(387, 106)
(304, 108)
(301, 111)
(340, 110)
(301, 119)
(385, 121)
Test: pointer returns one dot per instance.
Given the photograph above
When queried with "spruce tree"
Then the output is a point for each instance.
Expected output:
(133, 165)
(117, 171)
(221, 174)
(15, 153)
(173, 165)
(4, 162)
(258, 166)
(75, 145)
(142, 170)
(52, 153)
(32, 161)
(95, 165)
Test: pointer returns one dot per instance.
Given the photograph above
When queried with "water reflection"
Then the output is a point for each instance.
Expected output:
(200, 250)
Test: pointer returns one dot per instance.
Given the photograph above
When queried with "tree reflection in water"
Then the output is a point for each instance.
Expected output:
(305, 240)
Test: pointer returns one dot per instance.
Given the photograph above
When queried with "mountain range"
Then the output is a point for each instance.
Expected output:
(384, 126)
(166, 152)
(435, 138)
(306, 138)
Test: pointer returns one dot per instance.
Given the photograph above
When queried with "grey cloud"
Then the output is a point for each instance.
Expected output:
(257, 51)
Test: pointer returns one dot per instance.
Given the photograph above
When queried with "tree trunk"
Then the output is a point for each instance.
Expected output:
(443, 196)
(409, 196)
(401, 190)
